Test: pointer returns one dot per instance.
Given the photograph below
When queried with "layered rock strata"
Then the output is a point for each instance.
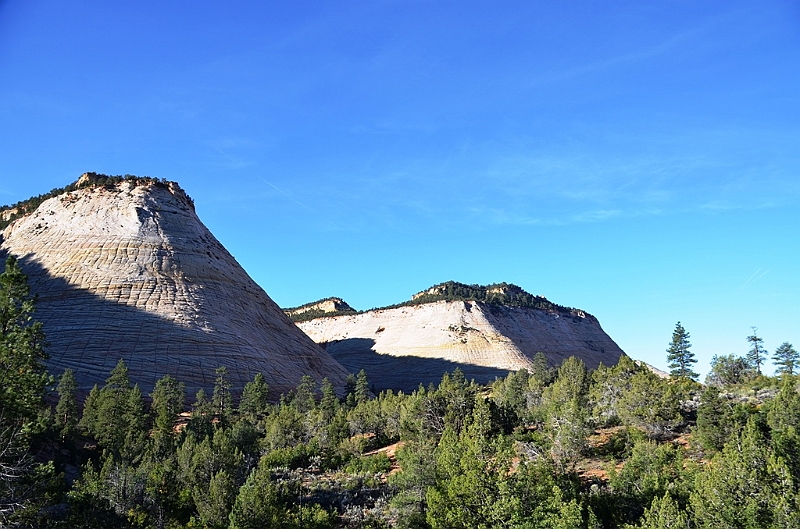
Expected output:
(405, 346)
(129, 271)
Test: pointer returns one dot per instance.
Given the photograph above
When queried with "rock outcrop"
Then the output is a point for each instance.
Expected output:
(319, 308)
(404, 346)
(127, 270)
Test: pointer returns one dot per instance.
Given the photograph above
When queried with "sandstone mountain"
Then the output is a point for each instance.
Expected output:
(323, 307)
(484, 331)
(126, 269)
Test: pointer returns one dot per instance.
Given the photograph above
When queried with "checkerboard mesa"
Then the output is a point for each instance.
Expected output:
(124, 268)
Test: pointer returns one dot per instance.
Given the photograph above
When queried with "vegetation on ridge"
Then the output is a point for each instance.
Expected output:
(297, 314)
(9, 214)
(506, 294)
(496, 294)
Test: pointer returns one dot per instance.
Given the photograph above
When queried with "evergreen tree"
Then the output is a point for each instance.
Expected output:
(745, 486)
(255, 398)
(714, 420)
(305, 395)
(362, 392)
(118, 421)
(729, 370)
(201, 422)
(756, 353)
(168, 398)
(66, 419)
(679, 355)
(470, 476)
(418, 462)
(221, 399)
(783, 418)
(540, 370)
(119, 380)
(564, 404)
(257, 505)
(650, 403)
(649, 472)
(664, 513)
(23, 379)
(608, 386)
(329, 404)
(349, 386)
(214, 507)
(786, 358)
(88, 421)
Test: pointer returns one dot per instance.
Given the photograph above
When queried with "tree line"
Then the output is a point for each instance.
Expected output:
(9, 214)
(565, 447)
(494, 295)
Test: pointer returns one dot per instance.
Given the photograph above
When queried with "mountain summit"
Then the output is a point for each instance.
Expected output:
(124, 268)
(486, 331)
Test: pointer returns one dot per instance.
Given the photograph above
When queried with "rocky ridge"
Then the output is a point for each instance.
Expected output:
(408, 344)
(323, 307)
(127, 270)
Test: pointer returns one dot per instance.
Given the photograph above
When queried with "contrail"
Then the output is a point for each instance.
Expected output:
(282, 192)
(223, 153)
(754, 276)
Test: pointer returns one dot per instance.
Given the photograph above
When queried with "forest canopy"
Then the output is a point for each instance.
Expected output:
(615, 447)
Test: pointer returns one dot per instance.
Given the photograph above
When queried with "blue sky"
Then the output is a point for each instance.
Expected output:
(639, 160)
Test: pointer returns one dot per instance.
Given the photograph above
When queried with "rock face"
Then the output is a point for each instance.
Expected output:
(323, 306)
(402, 347)
(129, 271)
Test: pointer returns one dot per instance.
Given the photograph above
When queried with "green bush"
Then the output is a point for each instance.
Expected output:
(373, 464)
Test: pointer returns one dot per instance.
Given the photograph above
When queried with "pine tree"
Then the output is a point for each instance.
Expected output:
(88, 421)
(362, 392)
(329, 404)
(221, 398)
(756, 353)
(664, 513)
(168, 398)
(201, 422)
(23, 379)
(729, 370)
(679, 356)
(714, 422)
(540, 371)
(305, 394)
(745, 486)
(66, 418)
(257, 504)
(785, 359)
(255, 398)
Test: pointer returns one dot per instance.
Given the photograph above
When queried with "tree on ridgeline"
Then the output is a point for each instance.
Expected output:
(729, 370)
(786, 358)
(756, 353)
(680, 356)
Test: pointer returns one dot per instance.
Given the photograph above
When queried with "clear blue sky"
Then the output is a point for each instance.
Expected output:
(638, 160)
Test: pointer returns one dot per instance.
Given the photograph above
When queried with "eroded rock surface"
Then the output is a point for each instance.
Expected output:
(129, 271)
(402, 347)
